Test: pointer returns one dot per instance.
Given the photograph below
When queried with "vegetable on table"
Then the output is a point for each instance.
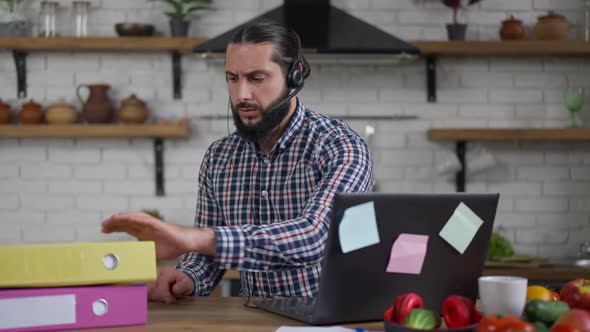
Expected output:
(459, 311)
(422, 319)
(543, 311)
(404, 304)
(496, 323)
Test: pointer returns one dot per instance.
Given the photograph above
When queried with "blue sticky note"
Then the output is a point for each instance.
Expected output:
(358, 227)
(461, 228)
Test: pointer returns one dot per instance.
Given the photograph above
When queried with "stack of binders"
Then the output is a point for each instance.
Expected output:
(76, 285)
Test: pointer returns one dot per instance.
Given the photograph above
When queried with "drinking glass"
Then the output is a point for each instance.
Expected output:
(574, 101)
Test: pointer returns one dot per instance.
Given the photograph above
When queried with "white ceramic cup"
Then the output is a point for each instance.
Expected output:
(502, 295)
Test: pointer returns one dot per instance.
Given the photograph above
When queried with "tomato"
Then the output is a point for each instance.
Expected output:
(538, 293)
(564, 328)
(555, 296)
(494, 323)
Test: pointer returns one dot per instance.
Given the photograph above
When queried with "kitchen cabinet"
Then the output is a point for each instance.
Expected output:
(21, 46)
(463, 135)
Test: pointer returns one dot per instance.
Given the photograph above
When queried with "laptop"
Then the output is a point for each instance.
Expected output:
(355, 287)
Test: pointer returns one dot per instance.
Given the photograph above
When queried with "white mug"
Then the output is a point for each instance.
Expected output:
(502, 295)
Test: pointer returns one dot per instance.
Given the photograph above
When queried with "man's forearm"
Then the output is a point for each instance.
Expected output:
(205, 242)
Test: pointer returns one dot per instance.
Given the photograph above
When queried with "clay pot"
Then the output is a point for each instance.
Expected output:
(61, 113)
(512, 29)
(31, 113)
(552, 27)
(5, 113)
(97, 108)
(133, 110)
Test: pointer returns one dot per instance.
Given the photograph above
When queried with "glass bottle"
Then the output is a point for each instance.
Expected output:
(47, 19)
(80, 18)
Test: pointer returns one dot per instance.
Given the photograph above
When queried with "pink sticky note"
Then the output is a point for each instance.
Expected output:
(407, 254)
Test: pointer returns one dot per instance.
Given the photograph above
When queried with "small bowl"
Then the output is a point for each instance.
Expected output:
(393, 327)
(134, 29)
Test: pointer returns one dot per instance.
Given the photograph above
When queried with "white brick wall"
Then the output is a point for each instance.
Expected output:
(60, 189)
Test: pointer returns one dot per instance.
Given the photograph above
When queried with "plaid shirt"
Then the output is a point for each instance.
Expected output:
(270, 213)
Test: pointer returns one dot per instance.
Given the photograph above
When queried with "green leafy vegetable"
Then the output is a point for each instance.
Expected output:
(499, 247)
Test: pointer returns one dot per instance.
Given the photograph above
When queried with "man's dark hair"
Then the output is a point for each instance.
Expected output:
(266, 31)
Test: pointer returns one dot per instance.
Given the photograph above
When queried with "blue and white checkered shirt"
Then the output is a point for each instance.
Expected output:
(270, 213)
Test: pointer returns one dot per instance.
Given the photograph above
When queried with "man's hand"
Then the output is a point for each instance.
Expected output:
(171, 240)
(170, 285)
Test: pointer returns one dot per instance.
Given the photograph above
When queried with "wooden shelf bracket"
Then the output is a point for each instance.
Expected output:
(20, 62)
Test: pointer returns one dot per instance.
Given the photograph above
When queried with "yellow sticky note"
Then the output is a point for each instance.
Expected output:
(461, 227)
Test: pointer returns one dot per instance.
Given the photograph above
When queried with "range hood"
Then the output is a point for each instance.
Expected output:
(325, 30)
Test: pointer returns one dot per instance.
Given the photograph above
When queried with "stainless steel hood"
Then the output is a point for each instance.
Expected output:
(324, 29)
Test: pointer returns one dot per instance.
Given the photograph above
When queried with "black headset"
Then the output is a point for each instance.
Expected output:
(295, 73)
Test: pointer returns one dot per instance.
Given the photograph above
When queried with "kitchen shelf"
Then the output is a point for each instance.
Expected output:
(112, 44)
(158, 132)
(521, 134)
(431, 50)
(95, 130)
(463, 135)
(21, 46)
(504, 48)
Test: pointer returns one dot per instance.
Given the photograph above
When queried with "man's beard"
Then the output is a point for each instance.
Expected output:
(271, 118)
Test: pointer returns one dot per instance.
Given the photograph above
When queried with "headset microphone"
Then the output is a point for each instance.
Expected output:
(286, 99)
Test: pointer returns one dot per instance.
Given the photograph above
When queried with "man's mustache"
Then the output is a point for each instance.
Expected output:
(247, 105)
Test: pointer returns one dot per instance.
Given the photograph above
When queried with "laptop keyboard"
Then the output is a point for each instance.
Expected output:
(299, 307)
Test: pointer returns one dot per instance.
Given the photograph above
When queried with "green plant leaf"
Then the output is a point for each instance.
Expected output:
(174, 15)
(197, 8)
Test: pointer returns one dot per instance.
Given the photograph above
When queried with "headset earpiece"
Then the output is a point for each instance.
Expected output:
(295, 73)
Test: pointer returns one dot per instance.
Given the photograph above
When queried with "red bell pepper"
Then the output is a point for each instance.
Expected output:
(493, 323)
(405, 303)
(388, 315)
(459, 311)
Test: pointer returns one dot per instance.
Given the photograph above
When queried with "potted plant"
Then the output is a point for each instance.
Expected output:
(456, 30)
(180, 13)
(12, 23)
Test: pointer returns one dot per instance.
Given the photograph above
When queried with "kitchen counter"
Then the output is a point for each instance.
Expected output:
(545, 273)
(221, 314)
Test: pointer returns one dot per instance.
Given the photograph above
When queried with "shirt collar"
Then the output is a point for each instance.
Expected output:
(295, 126)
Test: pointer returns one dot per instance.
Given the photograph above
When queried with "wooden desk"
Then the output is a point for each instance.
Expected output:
(221, 314)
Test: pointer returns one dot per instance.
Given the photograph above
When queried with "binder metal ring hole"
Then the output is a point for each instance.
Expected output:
(110, 261)
(100, 307)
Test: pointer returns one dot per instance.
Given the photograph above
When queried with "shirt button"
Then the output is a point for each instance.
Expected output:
(264, 193)
(265, 160)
